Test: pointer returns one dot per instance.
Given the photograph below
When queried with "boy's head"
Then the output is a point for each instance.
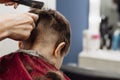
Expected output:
(51, 37)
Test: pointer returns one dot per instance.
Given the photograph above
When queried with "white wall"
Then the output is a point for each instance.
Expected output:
(50, 3)
(8, 45)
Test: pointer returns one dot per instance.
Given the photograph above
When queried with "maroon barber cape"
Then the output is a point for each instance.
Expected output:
(22, 66)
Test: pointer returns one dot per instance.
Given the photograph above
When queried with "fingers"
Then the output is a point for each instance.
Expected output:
(33, 24)
(30, 18)
(22, 32)
(19, 26)
(34, 16)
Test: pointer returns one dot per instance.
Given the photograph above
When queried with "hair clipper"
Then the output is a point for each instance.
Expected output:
(30, 3)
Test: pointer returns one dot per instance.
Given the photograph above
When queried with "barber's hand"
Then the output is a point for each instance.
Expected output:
(18, 26)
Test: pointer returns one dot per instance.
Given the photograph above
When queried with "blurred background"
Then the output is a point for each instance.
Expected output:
(95, 44)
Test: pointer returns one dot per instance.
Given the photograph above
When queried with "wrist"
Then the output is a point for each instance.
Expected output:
(3, 35)
(3, 31)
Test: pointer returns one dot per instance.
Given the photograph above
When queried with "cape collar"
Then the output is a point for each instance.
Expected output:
(30, 52)
(35, 53)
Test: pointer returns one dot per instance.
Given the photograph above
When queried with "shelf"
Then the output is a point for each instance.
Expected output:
(90, 74)
(100, 60)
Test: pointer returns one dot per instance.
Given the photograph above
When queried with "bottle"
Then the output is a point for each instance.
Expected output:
(116, 40)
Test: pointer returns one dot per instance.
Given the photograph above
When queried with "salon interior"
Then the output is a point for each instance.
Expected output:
(95, 46)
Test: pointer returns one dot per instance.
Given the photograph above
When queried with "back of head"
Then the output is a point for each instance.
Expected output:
(51, 27)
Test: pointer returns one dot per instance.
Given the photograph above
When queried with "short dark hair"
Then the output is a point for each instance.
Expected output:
(57, 23)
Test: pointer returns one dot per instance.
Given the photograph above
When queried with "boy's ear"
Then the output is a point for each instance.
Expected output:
(20, 45)
(59, 48)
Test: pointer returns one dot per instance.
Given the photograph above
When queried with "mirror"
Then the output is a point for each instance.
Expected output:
(104, 18)
(110, 9)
